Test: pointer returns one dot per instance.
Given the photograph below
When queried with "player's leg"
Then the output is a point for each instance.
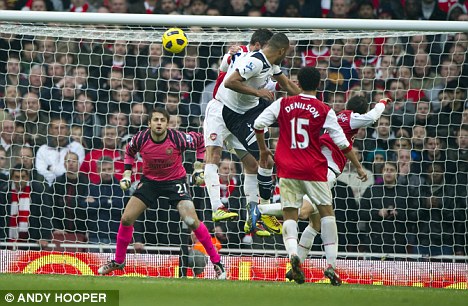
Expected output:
(309, 211)
(291, 200)
(214, 133)
(189, 216)
(251, 192)
(329, 233)
(212, 160)
(133, 210)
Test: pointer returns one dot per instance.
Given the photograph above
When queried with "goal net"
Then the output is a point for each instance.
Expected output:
(87, 88)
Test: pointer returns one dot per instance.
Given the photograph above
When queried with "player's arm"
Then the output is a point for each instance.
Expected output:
(264, 120)
(361, 120)
(339, 138)
(286, 84)
(237, 83)
(132, 148)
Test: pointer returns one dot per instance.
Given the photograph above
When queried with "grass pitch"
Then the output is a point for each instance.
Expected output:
(174, 292)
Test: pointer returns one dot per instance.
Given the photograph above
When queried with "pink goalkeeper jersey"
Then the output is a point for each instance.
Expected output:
(162, 161)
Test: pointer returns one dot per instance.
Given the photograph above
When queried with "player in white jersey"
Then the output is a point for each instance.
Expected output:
(216, 133)
(241, 92)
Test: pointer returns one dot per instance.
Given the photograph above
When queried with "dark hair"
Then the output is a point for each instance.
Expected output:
(19, 168)
(278, 41)
(159, 110)
(262, 36)
(309, 78)
(357, 104)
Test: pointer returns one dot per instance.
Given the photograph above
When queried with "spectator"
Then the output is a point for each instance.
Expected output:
(435, 215)
(30, 220)
(459, 151)
(318, 51)
(4, 173)
(382, 135)
(365, 10)
(34, 120)
(341, 74)
(161, 7)
(238, 8)
(198, 7)
(423, 76)
(12, 101)
(36, 82)
(61, 100)
(418, 136)
(272, 9)
(384, 208)
(84, 116)
(24, 156)
(431, 11)
(7, 129)
(104, 204)
(138, 118)
(51, 156)
(405, 176)
(118, 6)
(68, 190)
(339, 9)
(149, 70)
(12, 75)
(110, 141)
(120, 120)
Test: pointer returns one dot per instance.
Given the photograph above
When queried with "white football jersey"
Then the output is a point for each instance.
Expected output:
(257, 72)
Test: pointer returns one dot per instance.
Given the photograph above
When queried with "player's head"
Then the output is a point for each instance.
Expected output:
(260, 38)
(308, 78)
(357, 104)
(159, 121)
(278, 46)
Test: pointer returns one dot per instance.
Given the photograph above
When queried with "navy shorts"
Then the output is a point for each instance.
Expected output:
(241, 126)
(149, 191)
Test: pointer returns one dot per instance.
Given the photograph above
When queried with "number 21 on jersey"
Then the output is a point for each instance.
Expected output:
(299, 127)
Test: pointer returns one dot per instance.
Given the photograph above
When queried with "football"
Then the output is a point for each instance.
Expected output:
(174, 40)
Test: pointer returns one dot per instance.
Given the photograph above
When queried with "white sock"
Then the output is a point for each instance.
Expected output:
(306, 242)
(330, 239)
(273, 209)
(250, 188)
(290, 237)
(212, 186)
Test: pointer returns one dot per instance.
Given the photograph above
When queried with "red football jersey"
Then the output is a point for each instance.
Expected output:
(344, 119)
(301, 119)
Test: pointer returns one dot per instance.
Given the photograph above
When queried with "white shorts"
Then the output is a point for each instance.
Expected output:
(215, 132)
(331, 180)
(292, 192)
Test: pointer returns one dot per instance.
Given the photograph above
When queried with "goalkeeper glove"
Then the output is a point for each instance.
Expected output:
(126, 181)
(198, 176)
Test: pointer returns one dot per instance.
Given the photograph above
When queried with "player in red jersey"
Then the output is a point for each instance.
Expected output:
(302, 167)
(351, 120)
(163, 175)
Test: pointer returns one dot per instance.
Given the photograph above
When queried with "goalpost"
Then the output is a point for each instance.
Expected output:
(117, 60)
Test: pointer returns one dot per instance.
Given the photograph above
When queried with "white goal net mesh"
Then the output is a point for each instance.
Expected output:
(91, 87)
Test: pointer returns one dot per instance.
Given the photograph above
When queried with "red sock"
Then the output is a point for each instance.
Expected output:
(124, 237)
(204, 237)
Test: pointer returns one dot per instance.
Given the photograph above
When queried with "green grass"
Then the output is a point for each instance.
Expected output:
(174, 292)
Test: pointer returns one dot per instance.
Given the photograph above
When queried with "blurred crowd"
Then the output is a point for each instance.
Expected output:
(364, 9)
(68, 107)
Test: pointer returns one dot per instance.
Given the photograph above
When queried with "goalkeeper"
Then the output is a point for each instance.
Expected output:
(163, 176)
